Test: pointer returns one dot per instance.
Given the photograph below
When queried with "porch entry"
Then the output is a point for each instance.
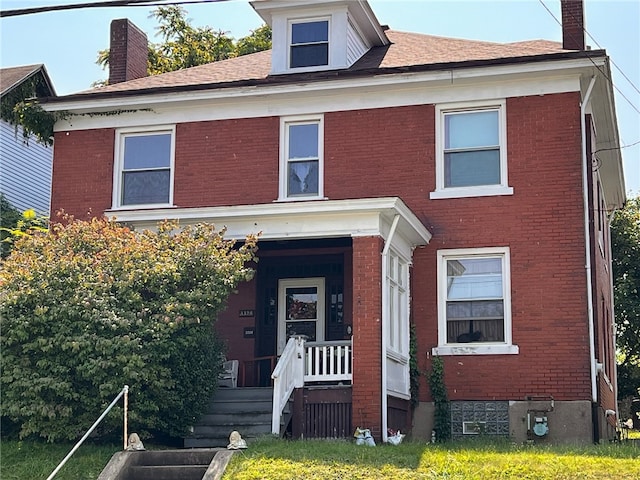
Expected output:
(299, 295)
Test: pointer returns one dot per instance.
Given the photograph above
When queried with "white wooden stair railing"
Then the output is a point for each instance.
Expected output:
(309, 362)
(288, 375)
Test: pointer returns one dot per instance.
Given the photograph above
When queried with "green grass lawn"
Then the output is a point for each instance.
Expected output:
(314, 459)
(36, 460)
(477, 460)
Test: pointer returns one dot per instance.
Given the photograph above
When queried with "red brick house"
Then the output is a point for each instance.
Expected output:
(398, 179)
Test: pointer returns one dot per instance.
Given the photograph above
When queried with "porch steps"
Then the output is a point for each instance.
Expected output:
(247, 410)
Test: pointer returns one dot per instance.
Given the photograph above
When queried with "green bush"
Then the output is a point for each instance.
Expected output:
(91, 306)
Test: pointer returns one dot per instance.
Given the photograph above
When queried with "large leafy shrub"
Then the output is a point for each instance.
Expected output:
(91, 306)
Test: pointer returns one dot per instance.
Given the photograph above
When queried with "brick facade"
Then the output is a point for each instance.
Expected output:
(231, 162)
(367, 333)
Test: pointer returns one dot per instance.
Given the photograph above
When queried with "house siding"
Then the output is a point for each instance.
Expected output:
(25, 170)
(355, 45)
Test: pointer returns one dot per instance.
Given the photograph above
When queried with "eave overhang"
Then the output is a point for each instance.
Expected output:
(97, 101)
(607, 155)
(296, 220)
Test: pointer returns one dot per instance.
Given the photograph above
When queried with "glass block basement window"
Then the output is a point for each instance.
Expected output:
(469, 418)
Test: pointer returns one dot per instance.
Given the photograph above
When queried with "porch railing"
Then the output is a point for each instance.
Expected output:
(328, 362)
(308, 362)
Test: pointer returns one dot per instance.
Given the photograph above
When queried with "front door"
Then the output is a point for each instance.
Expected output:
(301, 305)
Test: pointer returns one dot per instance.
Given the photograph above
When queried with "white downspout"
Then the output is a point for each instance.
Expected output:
(587, 237)
(614, 326)
(385, 322)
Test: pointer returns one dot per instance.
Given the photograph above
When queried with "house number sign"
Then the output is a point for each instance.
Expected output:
(247, 313)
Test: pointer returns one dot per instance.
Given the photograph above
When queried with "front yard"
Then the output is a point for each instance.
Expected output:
(314, 459)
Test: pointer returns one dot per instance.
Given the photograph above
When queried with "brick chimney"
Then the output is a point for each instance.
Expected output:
(572, 24)
(128, 52)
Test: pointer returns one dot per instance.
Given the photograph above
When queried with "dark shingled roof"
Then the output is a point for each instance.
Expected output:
(407, 51)
(11, 77)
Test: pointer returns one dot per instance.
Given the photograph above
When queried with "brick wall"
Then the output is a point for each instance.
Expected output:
(82, 172)
(367, 333)
(236, 162)
(542, 224)
(227, 162)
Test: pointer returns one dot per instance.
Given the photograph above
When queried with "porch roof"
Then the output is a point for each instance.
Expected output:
(296, 220)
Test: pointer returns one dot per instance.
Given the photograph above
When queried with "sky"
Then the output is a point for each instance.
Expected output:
(67, 42)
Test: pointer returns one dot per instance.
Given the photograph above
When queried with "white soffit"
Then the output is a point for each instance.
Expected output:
(293, 220)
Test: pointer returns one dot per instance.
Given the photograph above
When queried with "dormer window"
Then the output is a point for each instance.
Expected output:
(319, 35)
(309, 45)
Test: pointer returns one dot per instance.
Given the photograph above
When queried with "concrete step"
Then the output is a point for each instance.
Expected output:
(175, 457)
(167, 464)
(167, 472)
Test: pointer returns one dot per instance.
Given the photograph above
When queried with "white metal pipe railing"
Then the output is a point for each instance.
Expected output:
(125, 392)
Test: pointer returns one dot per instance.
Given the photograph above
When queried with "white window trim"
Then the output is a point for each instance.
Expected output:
(283, 284)
(119, 165)
(472, 191)
(481, 348)
(312, 68)
(398, 292)
(284, 157)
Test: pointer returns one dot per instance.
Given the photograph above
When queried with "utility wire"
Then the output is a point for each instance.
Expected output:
(107, 3)
(594, 63)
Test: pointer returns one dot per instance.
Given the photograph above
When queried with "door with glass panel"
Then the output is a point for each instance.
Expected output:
(301, 309)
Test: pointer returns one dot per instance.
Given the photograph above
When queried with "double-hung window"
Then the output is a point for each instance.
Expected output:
(474, 301)
(309, 43)
(301, 166)
(144, 167)
(471, 155)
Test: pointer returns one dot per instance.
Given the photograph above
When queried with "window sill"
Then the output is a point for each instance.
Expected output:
(471, 192)
(298, 199)
(475, 349)
(140, 207)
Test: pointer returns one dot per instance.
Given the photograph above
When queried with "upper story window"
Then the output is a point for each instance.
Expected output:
(144, 167)
(474, 301)
(309, 43)
(301, 165)
(471, 157)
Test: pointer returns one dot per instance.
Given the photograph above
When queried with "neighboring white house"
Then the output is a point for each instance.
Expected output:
(25, 167)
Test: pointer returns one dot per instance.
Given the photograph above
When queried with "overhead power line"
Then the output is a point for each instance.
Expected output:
(596, 66)
(104, 4)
